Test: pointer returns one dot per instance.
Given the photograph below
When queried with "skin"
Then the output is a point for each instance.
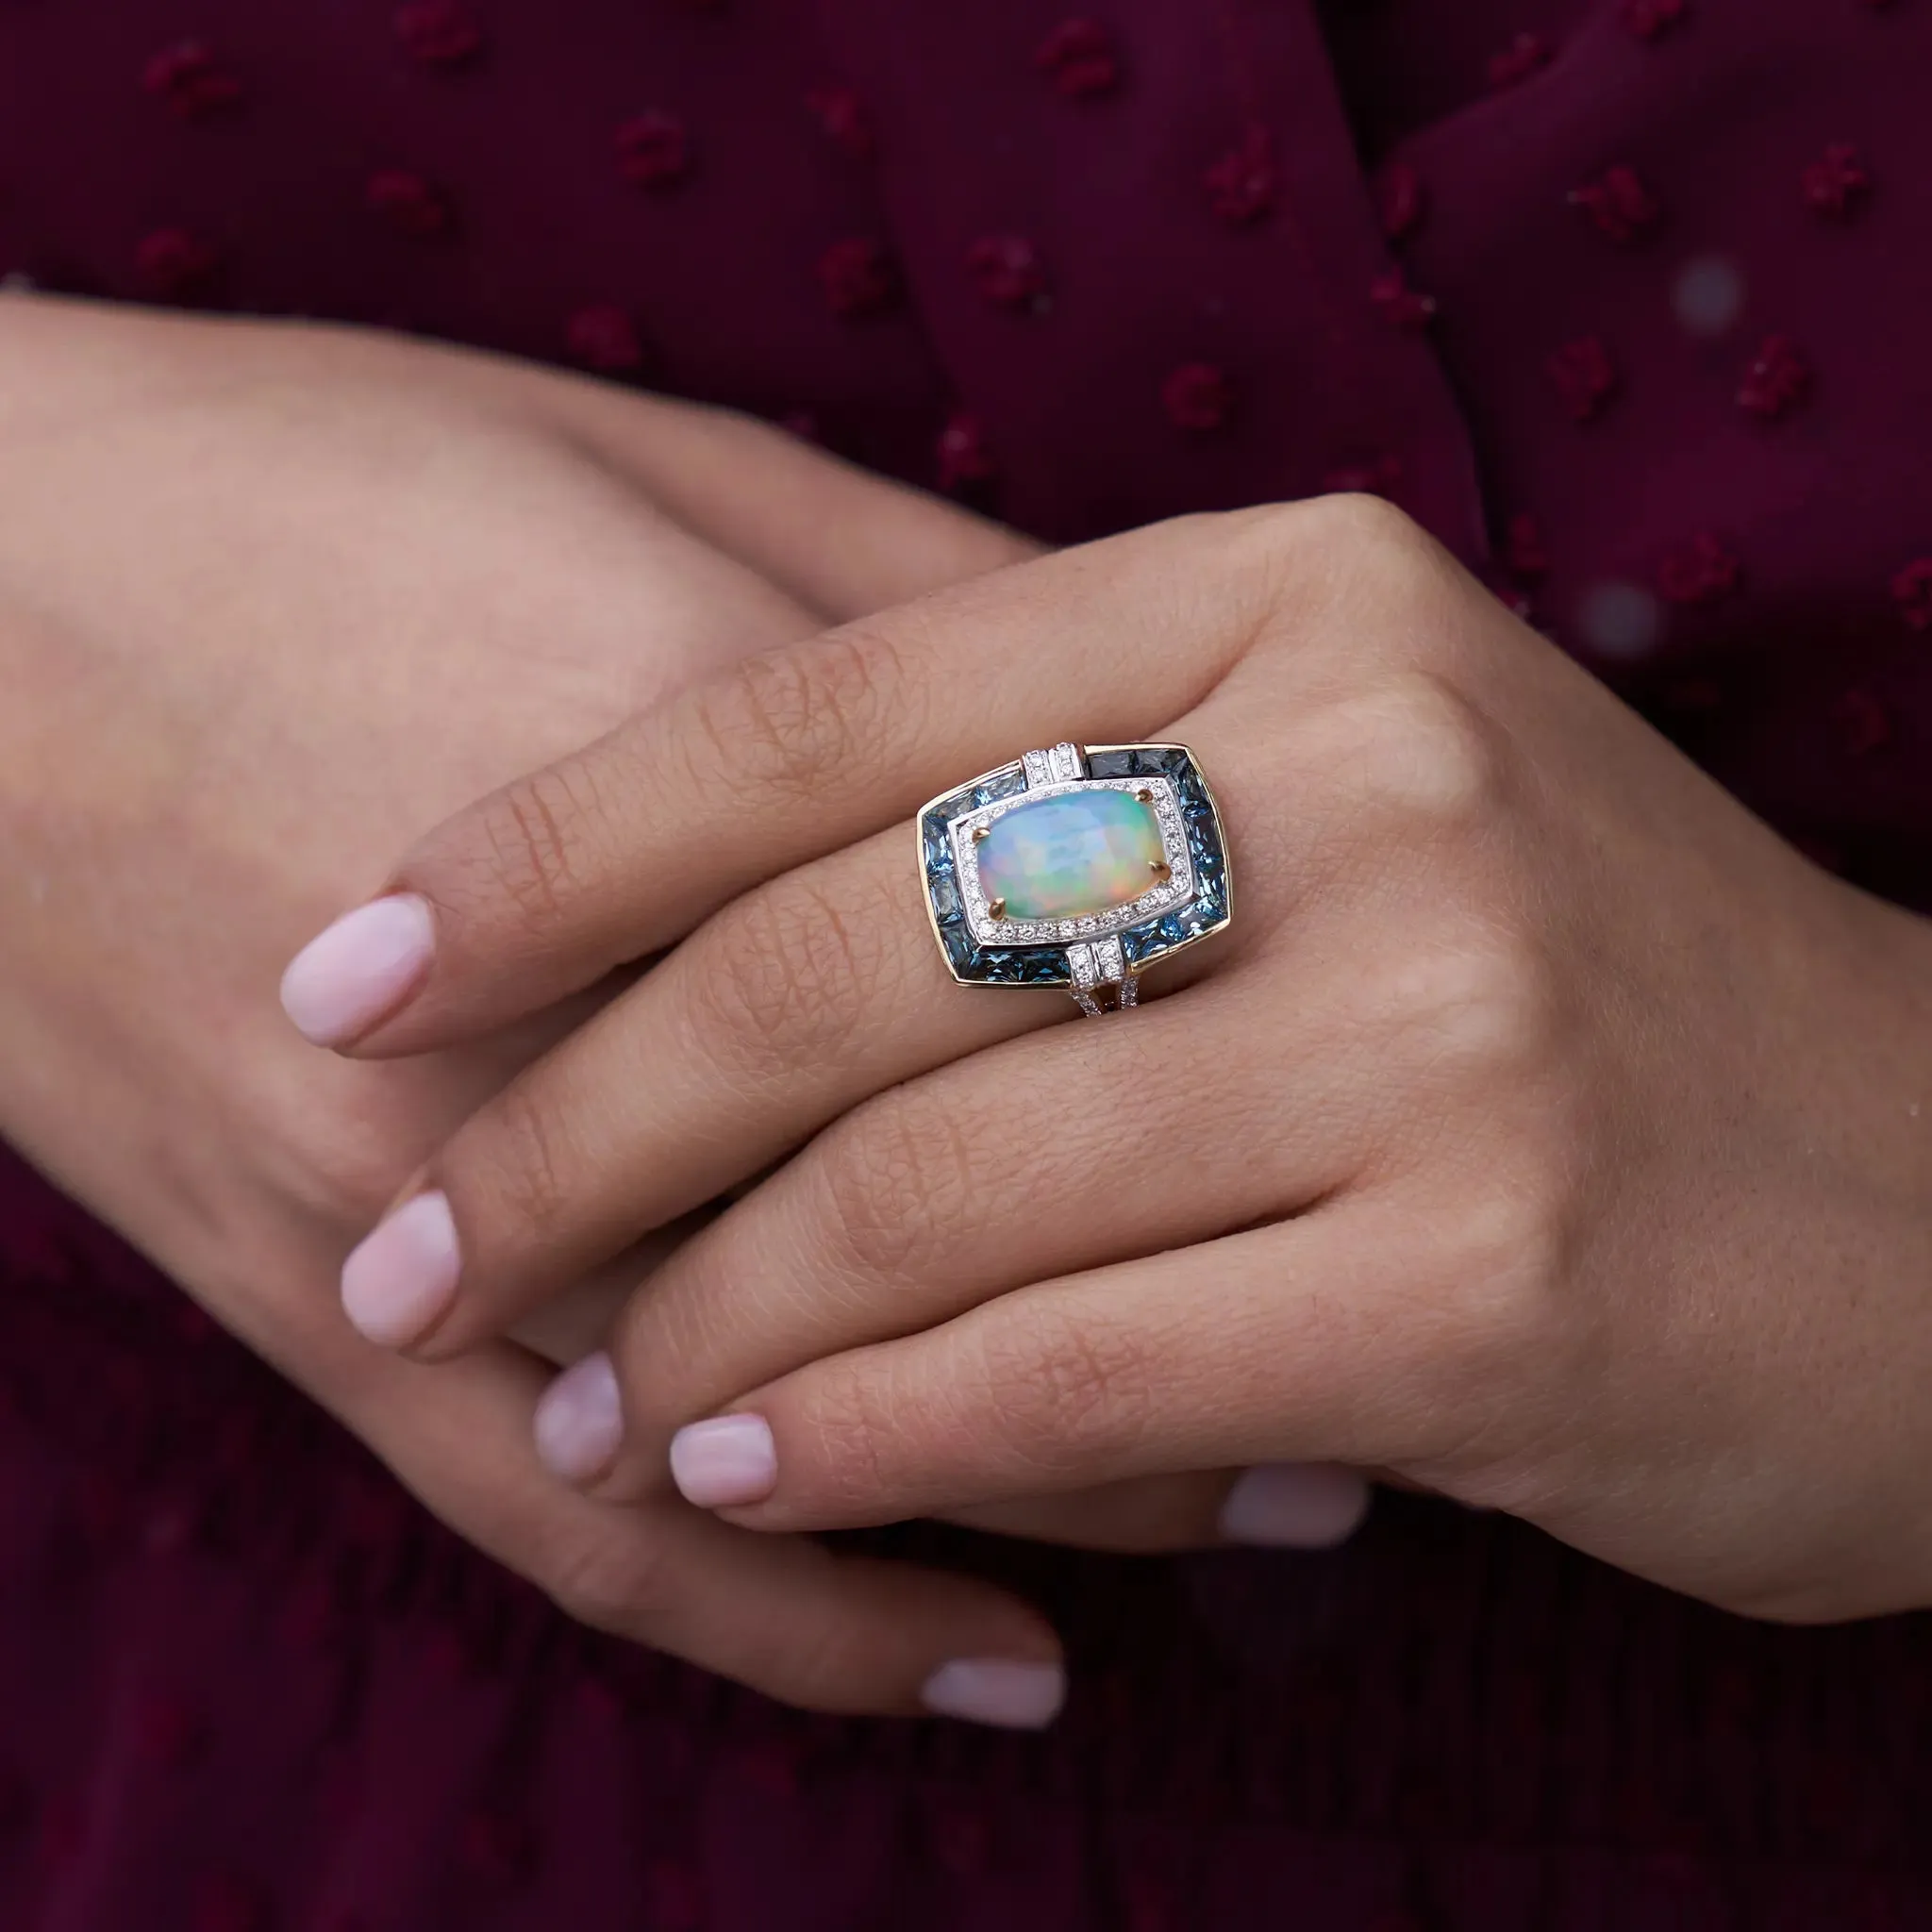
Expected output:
(1545, 1130)
(272, 600)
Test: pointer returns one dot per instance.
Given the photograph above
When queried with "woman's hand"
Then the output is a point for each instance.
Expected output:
(1545, 1131)
(273, 599)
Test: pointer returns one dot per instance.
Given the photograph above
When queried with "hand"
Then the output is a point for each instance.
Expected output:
(1544, 1131)
(272, 600)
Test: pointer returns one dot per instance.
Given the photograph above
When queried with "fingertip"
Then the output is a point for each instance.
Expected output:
(359, 970)
(1295, 1506)
(400, 1280)
(1008, 1693)
(579, 1422)
(726, 1462)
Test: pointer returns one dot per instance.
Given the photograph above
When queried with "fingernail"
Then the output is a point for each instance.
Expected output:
(1298, 1506)
(404, 1275)
(724, 1463)
(580, 1420)
(993, 1691)
(346, 979)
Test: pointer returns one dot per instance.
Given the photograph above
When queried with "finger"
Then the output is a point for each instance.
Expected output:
(1312, 1341)
(1288, 1506)
(1052, 1154)
(789, 1006)
(782, 1614)
(838, 539)
(608, 855)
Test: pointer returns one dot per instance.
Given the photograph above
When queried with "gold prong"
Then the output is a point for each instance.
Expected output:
(1160, 869)
(996, 908)
(980, 832)
(1145, 794)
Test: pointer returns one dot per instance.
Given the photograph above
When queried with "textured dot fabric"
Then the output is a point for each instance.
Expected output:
(1629, 301)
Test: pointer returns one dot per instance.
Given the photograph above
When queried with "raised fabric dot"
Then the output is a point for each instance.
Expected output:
(1007, 271)
(1197, 396)
(1525, 54)
(654, 150)
(438, 33)
(1078, 60)
(1837, 184)
(963, 453)
(1585, 376)
(601, 336)
(1700, 573)
(175, 261)
(1619, 206)
(843, 116)
(408, 203)
(1242, 184)
(191, 80)
(1911, 590)
(1649, 20)
(1777, 381)
(858, 277)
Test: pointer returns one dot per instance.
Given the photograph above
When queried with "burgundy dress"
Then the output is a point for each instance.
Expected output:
(1629, 300)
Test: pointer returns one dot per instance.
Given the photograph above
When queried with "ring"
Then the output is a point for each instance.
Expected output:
(1077, 867)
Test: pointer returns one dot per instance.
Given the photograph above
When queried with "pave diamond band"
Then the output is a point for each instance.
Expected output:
(1074, 867)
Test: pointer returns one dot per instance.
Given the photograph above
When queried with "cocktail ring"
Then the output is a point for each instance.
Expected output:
(1075, 868)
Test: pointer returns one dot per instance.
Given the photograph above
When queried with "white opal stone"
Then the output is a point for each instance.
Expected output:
(1072, 857)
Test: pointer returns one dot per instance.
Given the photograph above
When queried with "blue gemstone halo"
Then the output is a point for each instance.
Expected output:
(1189, 902)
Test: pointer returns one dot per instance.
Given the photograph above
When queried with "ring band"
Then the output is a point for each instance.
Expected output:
(1074, 867)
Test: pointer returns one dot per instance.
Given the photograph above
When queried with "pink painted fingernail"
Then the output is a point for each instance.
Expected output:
(346, 979)
(1297, 1506)
(995, 1691)
(579, 1422)
(724, 1463)
(404, 1275)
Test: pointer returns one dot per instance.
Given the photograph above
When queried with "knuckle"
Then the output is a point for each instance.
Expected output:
(1494, 1283)
(1417, 746)
(788, 975)
(1475, 1010)
(342, 1164)
(532, 835)
(1358, 520)
(898, 1185)
(1299, 536)
(851, 1420)
(787, 721)
(608, 1580)
(1060, 1387)
(516, 1149)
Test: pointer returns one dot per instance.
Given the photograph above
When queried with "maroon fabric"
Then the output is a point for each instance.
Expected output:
(1627, 299)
